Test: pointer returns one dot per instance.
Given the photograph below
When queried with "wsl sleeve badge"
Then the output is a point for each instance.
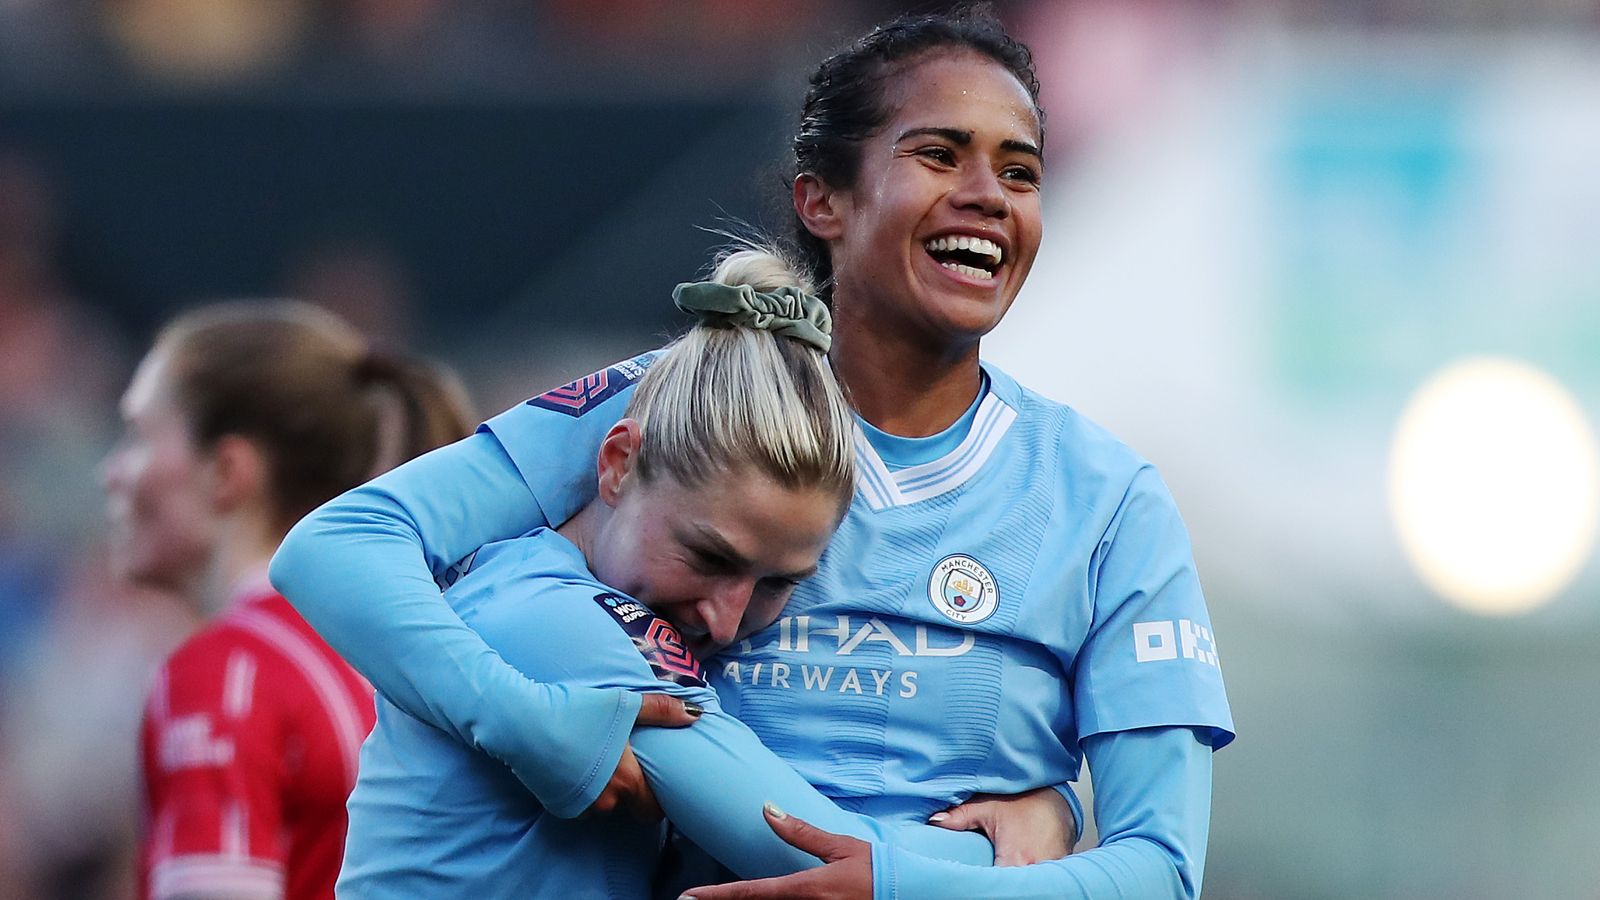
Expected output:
(963, 590)
(578, 397)
(657, 640)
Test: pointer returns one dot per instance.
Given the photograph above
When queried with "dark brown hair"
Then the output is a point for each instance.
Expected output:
(845, 104)
(326, 409)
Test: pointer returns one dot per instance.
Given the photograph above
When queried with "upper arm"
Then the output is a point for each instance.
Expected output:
(215, 779)
(1150, 658)
(553, 438)
(443, 504)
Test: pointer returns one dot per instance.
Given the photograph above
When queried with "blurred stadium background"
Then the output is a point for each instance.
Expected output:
(1330, 263)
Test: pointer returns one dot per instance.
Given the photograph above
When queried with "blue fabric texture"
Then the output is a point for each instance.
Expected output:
(431, 816)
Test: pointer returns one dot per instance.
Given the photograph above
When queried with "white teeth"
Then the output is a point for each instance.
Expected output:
(967, 270)
(965, 242)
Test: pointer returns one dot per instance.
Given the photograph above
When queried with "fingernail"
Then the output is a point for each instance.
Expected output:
(696, 710)
(936, 818)
(685, 897)
(774, 811)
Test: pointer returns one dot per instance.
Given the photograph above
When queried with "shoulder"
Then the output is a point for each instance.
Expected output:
(574, 400)
(1089, 462)
(257, 656)
(199, 661)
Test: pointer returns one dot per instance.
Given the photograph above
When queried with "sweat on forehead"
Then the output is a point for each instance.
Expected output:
(948, 72)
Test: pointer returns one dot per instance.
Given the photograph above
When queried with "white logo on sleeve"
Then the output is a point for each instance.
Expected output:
(1163, 640)
(187, 743)
(963, 590)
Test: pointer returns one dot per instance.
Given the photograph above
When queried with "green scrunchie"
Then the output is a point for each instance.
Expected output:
(787, 311)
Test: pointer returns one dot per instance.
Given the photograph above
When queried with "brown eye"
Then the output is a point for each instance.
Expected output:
(1022, 174)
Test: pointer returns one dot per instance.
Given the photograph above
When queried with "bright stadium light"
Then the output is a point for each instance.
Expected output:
(1494, 485)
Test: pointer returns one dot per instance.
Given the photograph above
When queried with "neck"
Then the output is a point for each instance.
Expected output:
(902, 387)
(243, 552)
(584, 528)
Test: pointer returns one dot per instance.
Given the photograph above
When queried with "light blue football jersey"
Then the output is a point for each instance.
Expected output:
(982, 619)
(975, 617)
(430, 816)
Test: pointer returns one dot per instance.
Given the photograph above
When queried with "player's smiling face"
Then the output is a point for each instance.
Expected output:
(162, 521)
(943, 223)
(717, 560)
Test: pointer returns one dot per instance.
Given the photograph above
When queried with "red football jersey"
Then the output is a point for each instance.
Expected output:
(249, 750)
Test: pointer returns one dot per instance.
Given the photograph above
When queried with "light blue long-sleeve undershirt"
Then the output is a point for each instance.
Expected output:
(413, 647)
(1152, 803)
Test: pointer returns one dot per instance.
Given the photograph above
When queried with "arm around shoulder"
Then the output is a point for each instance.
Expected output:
(360, 570)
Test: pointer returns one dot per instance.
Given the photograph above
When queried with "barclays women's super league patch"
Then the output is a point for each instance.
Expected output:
(578, 397)
(658, 640)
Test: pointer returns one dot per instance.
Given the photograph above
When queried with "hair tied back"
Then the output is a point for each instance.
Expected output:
(785, 311)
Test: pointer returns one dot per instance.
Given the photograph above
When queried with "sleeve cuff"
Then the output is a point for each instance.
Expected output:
(604, 753)
(216, 875)
(1073, 803)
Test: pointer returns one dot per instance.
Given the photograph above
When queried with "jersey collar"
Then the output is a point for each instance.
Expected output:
(882, 488)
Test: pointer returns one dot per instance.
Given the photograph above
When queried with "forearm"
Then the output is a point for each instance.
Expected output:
(358, 570)
(713, 778)
(1152, 802)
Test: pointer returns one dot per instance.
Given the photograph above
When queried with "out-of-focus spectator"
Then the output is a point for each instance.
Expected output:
(69, 733)
(361, 281)
(58, 366)
(207, 41)
(75, 653)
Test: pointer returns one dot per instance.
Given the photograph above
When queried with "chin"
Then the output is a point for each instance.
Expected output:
(131, 568)
(704, 650)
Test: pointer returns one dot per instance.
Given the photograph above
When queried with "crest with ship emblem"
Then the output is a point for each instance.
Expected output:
(963, 590)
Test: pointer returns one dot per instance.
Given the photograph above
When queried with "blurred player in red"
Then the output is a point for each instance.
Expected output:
(242, 418)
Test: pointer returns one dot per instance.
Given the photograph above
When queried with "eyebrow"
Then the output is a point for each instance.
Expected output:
(963, 138)
(719, 544)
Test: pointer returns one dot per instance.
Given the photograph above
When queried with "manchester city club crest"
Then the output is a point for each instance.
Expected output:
(963, 589)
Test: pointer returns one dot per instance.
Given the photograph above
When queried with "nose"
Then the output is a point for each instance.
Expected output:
(108, 471)
(724, 608)
(980, 189)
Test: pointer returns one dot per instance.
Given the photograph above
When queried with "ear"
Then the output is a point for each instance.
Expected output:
(619, 453)
(239, 473)
(818, 207)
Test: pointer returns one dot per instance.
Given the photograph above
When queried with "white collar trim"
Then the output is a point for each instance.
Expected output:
(882, 488)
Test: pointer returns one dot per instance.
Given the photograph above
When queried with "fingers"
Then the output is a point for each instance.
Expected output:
(847, 873)
(637, 797)
(628, 790)
(966, 817)
(666, 711)
(802, 835)
(788, 887)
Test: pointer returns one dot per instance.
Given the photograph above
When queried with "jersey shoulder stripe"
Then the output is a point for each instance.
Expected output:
(318, 671)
